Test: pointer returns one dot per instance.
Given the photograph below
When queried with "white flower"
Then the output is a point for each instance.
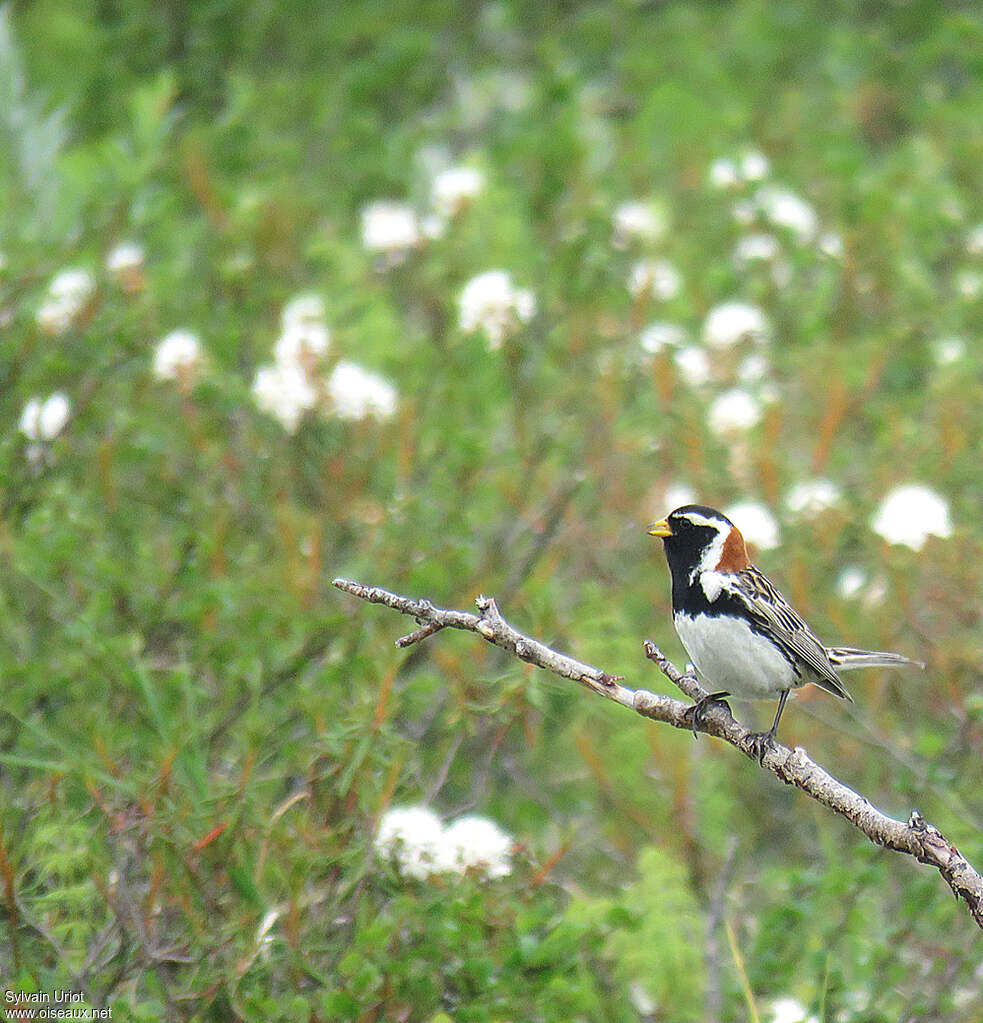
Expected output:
(390, 228)
(724, 174)
(657, 336)
(302, 310)
(831, 244)
(283, 391)
(491, 303)
(476, 843)
(948, 350)
(850, 582)
(678, 494)
(812, 497)
(754, 248)
(910, 514)
(693, 364)
(658, 276)
(125, 257)
(758, 525)
(414, 837)
(788, 1010)
(453, 189)
(72, 286)
(178, 356)
(974, 241)
(637, 221)
(732, 412)
(68, 296)
(54, 415)
(752, 369)
(355, 393)
(754, 165)
(969, 284)
(44, 420)
(302, 343)
(643, 1002)
(786, 209)
(30, 419)
(730, 322)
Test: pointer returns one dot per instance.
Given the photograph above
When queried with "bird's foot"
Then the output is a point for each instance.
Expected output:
(761, 742)
(699, 709)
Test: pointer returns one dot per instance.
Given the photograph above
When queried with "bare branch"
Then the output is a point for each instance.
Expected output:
(916, 837)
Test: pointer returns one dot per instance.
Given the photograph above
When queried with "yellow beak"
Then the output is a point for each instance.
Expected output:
(660, 528)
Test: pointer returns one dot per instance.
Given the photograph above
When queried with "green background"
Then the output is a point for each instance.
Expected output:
(175, 664)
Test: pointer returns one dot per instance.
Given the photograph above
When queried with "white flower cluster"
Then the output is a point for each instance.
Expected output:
(693, 364)
(760, 204)
(757, 247)
(644, 223)
(657, 277)
(125, 264)
(178, 356)
(43, 420)
(810, 498)
(735, 411)
(729, 323)
(675, 495)
(637, 221)
(910, 514)
(392, 229)
(355, 393)
(67, 298)
(491, 303)
(756, 523)
(414, 838)
(283, 390)
(788, 1010)
(854, 583)
(729, 173)
(454, 189)
(738, 408)
(948, 350)
(293, 383)
(784, 209)
(660, 335)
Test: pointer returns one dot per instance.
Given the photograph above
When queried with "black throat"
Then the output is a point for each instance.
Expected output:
(684, 551)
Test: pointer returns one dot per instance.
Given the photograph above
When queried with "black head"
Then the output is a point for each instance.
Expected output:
(698, 538)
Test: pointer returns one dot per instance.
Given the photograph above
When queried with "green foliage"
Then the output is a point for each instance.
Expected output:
(199, 735)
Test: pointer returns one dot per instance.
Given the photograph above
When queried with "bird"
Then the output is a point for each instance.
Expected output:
(742, 635)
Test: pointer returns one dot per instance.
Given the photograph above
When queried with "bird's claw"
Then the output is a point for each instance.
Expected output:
(699, 709)
(761, 742)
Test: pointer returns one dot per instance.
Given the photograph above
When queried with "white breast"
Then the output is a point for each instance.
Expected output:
(731, 657)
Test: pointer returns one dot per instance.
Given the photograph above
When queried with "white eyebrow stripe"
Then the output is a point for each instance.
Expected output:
(701, 520)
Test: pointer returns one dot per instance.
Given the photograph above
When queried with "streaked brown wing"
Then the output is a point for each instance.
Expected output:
(775, 616)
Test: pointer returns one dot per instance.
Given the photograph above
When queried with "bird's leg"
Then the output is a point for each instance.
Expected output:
(762, 740)
(699, 708)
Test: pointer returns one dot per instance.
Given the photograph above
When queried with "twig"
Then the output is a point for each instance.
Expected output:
(916, 837)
